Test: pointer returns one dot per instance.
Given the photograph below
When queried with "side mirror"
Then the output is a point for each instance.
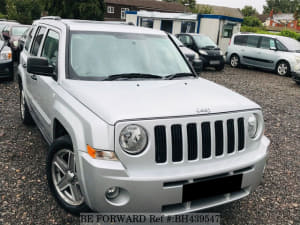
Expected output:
(40, 66)
(273, 48)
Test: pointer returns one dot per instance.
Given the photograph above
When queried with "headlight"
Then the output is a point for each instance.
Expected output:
(133, 139)
(202, 52)
(252, 125)
(196, 56)
(15, 43)
(5, 55)
(221, 53)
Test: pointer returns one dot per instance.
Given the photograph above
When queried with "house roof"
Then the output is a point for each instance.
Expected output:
(263, 17)
(223, 11)
(150, 5)
(283, 16)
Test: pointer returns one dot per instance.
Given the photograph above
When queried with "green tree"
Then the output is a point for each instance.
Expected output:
(252, 21)
(24, 11)
(3, 7)
(77, 9)
(204, 9)
(284, 6)
(249, 11)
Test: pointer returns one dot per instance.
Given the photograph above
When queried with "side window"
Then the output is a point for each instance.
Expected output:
(241, 40)
(37, 41)
(253, 41)
(50, 48)
(186, 40)
(280, 46)
(266, 43)
(29, 38)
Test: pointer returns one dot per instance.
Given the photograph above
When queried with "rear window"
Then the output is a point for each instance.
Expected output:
(241, 40)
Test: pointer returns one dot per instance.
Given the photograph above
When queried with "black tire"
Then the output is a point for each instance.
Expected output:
(220, 68)
(58, 145)
(234, 61)
(11, 73)
(283, 68)
(24, 110)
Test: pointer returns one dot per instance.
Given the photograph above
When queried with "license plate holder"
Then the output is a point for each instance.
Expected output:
(212, 187)
(214, 62)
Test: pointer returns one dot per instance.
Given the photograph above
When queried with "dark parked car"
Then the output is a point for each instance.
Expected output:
(12, 33)
(192, 56)
(208, 51)
(6, 63)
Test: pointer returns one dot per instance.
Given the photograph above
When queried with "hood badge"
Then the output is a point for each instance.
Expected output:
(203, 110)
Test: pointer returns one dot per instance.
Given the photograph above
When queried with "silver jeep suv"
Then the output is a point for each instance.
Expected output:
(131, 127)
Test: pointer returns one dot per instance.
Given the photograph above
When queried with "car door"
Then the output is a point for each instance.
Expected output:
(23, 64)
(250, 55)
(267, 53)
(46, 85)
(32, 79)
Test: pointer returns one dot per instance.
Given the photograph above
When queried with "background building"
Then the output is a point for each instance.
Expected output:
(115, 9)
(219, 28)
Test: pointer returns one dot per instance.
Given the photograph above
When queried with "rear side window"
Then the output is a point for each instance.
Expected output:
(37, 41)
(241, 40)
(253, 41)
(50, 49)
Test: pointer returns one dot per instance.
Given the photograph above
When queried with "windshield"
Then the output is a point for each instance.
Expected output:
(97, 55)
(204, 42)
(18, 31)
(291, 44)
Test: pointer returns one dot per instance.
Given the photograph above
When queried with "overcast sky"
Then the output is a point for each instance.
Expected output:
(258, 4)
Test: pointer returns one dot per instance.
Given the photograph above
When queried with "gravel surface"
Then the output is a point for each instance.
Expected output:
(26, 199)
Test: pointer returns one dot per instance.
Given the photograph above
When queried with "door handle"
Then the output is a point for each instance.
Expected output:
(33, 77)
(24, 65)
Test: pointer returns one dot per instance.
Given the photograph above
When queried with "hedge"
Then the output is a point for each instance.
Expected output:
(259, 30)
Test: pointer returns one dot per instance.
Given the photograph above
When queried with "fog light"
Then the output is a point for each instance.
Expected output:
(112, 192)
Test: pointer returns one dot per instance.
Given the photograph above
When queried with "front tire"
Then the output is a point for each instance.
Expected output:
(62, 176)
(283, 68)
(24, 110)
(234, 61)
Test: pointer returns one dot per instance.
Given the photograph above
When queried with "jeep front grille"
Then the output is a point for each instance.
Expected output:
(204, 140)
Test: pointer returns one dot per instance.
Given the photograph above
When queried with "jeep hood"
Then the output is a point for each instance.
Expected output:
(114, 101)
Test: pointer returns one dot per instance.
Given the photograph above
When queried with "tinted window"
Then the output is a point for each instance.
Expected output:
(37, 41)
(167, 25)
(267, 43)
(188, 27)
(50, 48)
(241, 40)
(147, 22)
(252, 41)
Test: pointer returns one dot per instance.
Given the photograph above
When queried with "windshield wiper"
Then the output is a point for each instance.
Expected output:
(175, 75)
(131, 75)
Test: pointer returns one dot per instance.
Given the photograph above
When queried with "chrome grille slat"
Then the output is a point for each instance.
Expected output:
(196, 141)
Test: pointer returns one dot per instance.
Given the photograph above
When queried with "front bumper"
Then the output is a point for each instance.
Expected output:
(6, 69)
(162, 191)
(210, 61)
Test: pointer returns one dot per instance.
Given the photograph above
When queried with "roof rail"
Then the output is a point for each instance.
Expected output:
(50, 18)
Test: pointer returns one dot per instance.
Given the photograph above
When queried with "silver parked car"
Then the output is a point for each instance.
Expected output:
(131, 127)
(277, 53)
